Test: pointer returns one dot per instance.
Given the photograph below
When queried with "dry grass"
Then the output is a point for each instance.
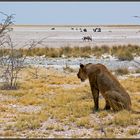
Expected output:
(137, 70)
(124, 118)
(83, 122)
(123, 52)
(27, 122)
(123, 55)
(103, 114)
(121, 71)
(133, 131)
(131, 84)
(63, 104)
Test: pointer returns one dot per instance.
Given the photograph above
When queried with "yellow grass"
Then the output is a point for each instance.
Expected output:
(83, 122)
(133, 131)
(131, 84)
(65, 105)
(124, 118)
(27, 122)
(123, 52)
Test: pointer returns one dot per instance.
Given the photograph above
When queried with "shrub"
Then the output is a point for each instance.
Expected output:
(125, 55)
(121, 71)
(122, 52)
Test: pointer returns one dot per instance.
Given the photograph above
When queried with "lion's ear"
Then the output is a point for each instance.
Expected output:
(81, 65)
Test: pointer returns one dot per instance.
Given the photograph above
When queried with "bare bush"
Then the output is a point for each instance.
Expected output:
(5, 25)
(11, 62)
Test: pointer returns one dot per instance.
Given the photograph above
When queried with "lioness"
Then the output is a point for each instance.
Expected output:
(101, 80)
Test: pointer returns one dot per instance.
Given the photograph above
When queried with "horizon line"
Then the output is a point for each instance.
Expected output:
(76, 25)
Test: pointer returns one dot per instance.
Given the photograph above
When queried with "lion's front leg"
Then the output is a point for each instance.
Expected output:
(95, 93)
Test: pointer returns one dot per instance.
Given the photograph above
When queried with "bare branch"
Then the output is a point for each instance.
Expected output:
(5, 25)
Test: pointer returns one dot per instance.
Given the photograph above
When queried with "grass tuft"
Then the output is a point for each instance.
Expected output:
(124, 118)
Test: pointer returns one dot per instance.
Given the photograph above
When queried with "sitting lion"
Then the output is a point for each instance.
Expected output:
(101, 80)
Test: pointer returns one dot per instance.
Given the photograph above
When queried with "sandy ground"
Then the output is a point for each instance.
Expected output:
(65, 36)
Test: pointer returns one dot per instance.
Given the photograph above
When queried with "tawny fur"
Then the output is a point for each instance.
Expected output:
(101, 80)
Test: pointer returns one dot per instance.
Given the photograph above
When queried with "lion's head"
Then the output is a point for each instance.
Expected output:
(82, 73)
